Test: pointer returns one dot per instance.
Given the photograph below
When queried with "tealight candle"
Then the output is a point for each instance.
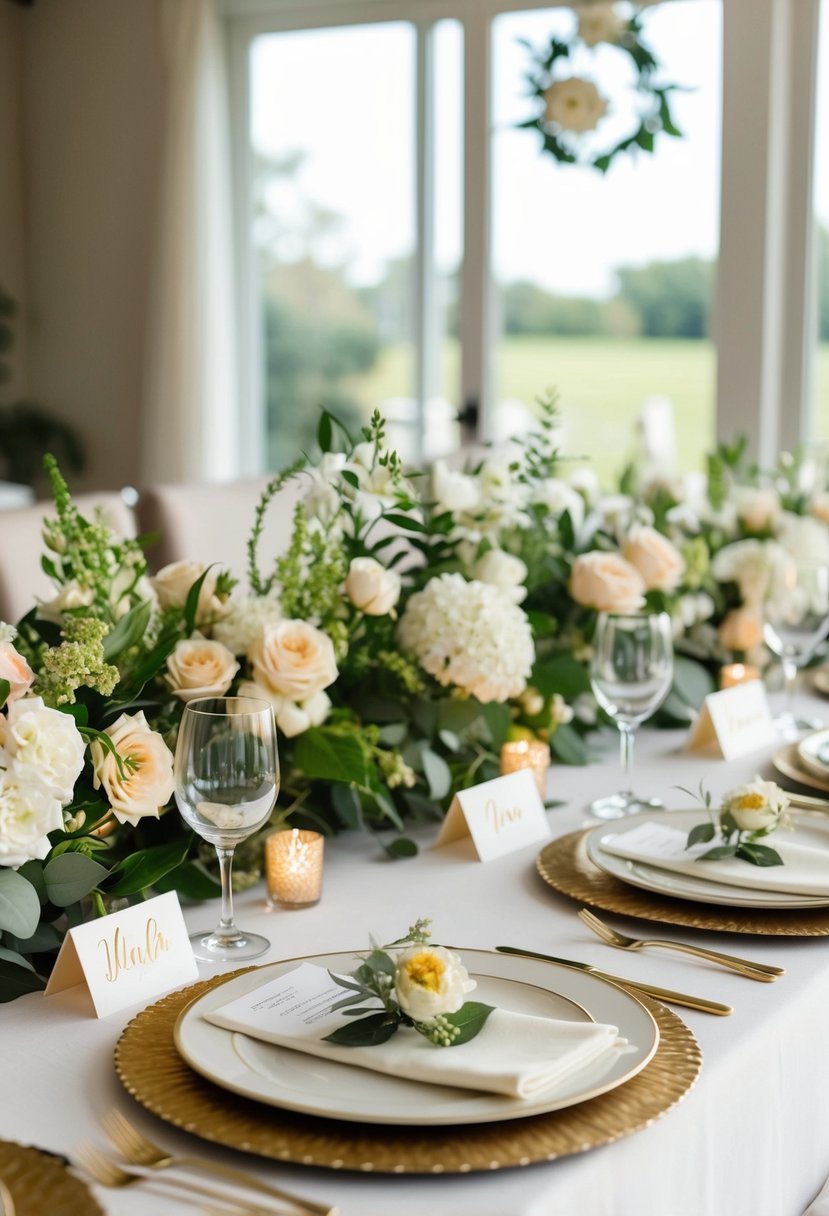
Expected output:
(527, 753)
(293, 867)
(737, 673)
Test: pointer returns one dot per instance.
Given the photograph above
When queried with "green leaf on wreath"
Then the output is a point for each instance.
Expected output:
(141, 870)
(367, 1032)
(324, 754)
(70, 876)
(19, 904)
(470, 1018)
(15, 981)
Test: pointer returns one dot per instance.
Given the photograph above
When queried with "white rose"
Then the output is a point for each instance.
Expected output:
(750, 564)
(600, 23)
(503, 570)
(658, 561)
(146, 785)
(372, 588)
(574, 104)
(200, 668)
(44, 747)
(14, 669)
(586, 484)
(558, 497)
(804, 538)
(453, 490)
(245, 619)
(429, 981)
(27, 814)
(293, 659)
(71, 595)
(606, 582)
(292, 717)
(172, 586)
(756, 507)
(759, 806)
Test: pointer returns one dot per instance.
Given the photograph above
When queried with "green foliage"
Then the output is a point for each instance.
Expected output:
(670, 299)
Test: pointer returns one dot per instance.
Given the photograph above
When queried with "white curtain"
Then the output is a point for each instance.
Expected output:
(189, 427)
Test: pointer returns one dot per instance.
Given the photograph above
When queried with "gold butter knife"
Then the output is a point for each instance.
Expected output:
(662, 994)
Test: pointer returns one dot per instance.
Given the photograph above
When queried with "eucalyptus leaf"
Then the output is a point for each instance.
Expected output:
(700, 834)
(400, 847)
(346, 802)
(11, 956)
(19, 904)
(438, 774)
(567, 744)
(71, 876)
(15, 981)
(758, 854)
(368, 1032)
(719, 853)
(470, 1018)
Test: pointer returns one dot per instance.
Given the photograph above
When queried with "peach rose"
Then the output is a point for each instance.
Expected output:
(15, 669)
(200, 668)
(741, 629)
(606, 582)
(293, 659)
(172, 586)
(657, 560)
(372, 588)
(145, 783)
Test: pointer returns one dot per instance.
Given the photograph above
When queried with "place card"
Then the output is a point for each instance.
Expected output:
(127, 957)
(501, 815)
(734, 722)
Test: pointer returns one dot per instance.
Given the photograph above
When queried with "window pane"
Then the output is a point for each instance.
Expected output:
(821, 232)
(605, 282)
(332, 128)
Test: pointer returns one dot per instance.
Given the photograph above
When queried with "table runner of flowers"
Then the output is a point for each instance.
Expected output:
(415, 622)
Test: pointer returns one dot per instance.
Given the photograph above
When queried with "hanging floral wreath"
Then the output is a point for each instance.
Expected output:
(572, 105)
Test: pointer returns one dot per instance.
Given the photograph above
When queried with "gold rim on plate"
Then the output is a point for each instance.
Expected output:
(565, 866)
(39, 1182)
(152, 1071)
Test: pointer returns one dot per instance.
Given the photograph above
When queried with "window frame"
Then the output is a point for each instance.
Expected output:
(765, 305)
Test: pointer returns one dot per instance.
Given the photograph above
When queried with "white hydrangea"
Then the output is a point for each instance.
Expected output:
(471, 635)
(246, 619)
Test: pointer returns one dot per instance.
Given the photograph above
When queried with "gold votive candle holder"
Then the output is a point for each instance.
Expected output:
(527, 753)
(738, 673)
(293, 867)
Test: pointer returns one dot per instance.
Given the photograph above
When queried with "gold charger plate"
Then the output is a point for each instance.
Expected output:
(151, 1069)
(40, 1184)
(565, 866)
(788, 762)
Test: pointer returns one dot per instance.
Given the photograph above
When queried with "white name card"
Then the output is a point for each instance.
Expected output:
(734, 722)
(128, 956)
(500, 815)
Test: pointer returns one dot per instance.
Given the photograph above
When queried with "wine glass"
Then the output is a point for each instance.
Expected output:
(796, 620)
(227, 779)
(631, 673)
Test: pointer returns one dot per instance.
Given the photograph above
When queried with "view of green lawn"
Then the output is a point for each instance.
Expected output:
(602, 384)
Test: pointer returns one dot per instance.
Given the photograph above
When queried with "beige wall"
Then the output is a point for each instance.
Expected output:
(12, 263)
(91, 122)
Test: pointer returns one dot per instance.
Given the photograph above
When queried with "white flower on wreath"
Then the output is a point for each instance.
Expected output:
(600, 23)
(430, 981)
(470, 635)
(574, 105)
(292, 717)
(28, 812)
(43, 747)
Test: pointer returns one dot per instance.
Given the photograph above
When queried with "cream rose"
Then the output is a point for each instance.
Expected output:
(145, 784)
(292, 717)
(757, 507)
(44, 747)
(429, 981)
(574, 105)
(71, 595)
(658, 561)
(293, 659)
(600, 23)
(741, 629)
(500, 569)
(200, 668)
(759, 806)
(172, 586)
(454, 490)
(606, 582)
(27, 814)
(14, 669)
(372, 588)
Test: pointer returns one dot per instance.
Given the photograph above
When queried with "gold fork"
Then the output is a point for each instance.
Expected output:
(138, 1150)
(763, 972)
(110, 1174)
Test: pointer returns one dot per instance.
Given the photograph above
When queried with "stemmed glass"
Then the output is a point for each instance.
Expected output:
(631, 673)
(227, 779)
(796, 621)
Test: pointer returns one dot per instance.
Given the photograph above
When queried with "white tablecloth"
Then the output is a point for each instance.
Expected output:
(750, 1139)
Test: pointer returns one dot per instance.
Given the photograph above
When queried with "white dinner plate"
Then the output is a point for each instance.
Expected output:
(813, 754)
(788, 762)
(811, 830)
(294, 1080)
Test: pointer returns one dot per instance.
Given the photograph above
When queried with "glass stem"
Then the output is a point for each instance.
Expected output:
(627, 736)
(789, 680)
(226, 928)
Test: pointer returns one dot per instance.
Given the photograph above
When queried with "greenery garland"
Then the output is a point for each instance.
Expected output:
(572, 106)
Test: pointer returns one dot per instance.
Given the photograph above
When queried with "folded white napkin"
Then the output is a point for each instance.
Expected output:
(515, 1053)
(805, 869)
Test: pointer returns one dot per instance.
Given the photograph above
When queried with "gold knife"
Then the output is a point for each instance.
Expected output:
(662, 994)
